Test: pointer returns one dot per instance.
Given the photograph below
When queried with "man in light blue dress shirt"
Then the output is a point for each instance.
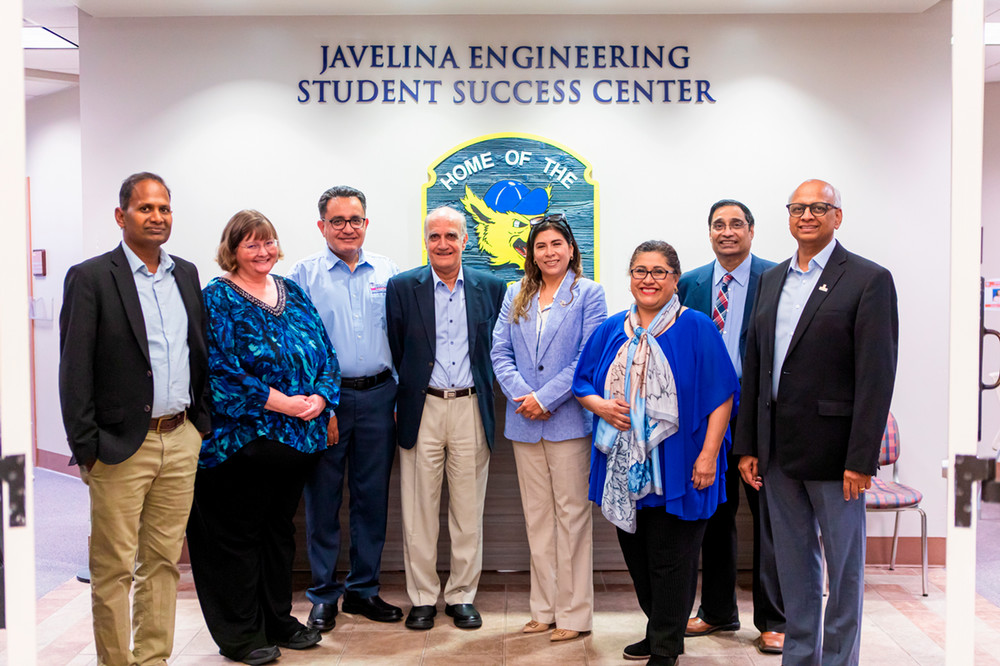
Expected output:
(735, 273)
(347, 286)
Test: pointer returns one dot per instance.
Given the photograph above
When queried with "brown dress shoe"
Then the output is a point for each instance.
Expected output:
(535, 627)
(698, 627)
(770, 642)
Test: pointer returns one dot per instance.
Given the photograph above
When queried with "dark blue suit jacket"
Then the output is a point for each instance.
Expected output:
(409, 315)
(697, 292)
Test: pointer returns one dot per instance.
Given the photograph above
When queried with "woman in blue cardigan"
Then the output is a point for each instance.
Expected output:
(544, 323)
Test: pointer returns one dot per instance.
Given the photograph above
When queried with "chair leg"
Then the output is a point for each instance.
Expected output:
(923, 546)
(895, 543)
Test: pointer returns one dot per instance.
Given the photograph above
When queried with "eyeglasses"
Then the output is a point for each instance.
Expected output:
(339, 222)
(554, 218)
(255, 246)
(819, 209)
(640, 272)
(735, 225)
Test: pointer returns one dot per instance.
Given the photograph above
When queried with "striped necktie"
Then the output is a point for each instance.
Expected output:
(722, 302)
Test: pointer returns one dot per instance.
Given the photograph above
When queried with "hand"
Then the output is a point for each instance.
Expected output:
(529, 408)
(315, 404)
(703, 474)
(613, 410)
(855, 483)
(332, 431)
(749, 472)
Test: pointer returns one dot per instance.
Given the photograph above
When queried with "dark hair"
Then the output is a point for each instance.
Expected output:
(241, 226)
(128, 185)
(532, 280)
(338, 191)
(664, 248)
(730, 202)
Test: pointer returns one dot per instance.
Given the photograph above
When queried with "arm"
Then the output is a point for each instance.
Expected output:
(394, 322)
(504, 363)
(703, 474)
(615, 412)
(77, 341)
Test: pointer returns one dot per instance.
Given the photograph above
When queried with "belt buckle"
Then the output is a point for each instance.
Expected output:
(449, 394)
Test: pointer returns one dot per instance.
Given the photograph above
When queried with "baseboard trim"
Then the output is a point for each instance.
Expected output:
(56, 462)
(880, 550)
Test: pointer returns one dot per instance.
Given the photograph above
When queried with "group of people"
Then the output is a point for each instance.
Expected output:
(233, 402)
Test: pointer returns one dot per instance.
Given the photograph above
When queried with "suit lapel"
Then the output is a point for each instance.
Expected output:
(827, 281)
(473, 306)
(702, 296)
(186, 287)
(423, 294)
(121, 273)
(526, 329)
(769, 296)
(751, 293)
(557, 313)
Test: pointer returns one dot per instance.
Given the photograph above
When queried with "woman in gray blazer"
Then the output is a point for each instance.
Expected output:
(544, 323)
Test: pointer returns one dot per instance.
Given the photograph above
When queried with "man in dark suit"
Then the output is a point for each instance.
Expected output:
(724, 290)
(440, 320)
(818, 377)
(132, 382)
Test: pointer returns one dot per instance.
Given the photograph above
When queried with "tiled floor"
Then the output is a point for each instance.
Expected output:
(900, 627)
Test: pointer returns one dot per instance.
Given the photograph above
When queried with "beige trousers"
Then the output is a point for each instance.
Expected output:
(450, 441)
(138, 512)
(553, 477)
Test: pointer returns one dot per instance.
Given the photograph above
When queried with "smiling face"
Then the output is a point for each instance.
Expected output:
(730, 235)
(552, 253)
(345, 241)
(812, 232)
(651, 295)
(445, 238)
(255, 256)
(146, 221)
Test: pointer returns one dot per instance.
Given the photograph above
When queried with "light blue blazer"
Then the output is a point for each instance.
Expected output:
(523, 362)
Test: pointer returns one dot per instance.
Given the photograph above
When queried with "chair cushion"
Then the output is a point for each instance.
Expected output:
(889, 452)
(889, 495)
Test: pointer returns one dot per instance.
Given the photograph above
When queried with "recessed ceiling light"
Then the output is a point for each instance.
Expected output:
(37, 37)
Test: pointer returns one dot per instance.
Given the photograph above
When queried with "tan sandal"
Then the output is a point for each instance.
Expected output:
(535, 627)
(563, 635)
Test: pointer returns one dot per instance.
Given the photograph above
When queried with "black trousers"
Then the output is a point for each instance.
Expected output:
(241, 539)
(718, 561)
(662, 558)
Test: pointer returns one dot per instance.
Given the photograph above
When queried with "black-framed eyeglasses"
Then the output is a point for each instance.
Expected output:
(339, 222)
(819, 209)
(658, 273)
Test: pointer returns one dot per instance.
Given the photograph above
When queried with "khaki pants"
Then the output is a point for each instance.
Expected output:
(451, 440)
(138, 511)
(553, 478)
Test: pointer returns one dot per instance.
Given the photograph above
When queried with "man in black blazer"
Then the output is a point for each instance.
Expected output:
(133, 388)
(440, 319)
(818, 377)
(724, 290)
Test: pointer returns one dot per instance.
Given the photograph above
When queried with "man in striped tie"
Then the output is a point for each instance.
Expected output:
(724, 290)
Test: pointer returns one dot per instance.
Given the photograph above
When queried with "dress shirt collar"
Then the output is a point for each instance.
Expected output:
(332, 259)
(819, 260)
(459, 282)
(741, 273)
(138, 265)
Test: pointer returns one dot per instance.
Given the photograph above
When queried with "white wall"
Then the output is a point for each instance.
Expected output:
(53, 167)
(861, 101)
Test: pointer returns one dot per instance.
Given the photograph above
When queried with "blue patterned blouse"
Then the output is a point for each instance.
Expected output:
(253, 347)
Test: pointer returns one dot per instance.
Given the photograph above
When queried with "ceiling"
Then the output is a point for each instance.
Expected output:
(50, 70)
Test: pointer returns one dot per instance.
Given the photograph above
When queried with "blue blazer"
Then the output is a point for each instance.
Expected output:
(409, 315)
(523, 362)
(696, 291)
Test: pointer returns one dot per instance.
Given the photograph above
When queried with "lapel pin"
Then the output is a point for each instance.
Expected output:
(822, 287)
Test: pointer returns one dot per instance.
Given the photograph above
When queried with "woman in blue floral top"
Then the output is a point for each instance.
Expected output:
(275, 382)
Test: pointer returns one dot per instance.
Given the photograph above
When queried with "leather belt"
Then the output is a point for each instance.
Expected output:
(167, 423)
(448, 394)
(365, 383)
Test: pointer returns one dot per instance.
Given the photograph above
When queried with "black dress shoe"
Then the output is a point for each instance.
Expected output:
(466, 616)
(421, 617)
(322, 617)
(302, 639)
(638, 650)
(373, 608)
(264, 655)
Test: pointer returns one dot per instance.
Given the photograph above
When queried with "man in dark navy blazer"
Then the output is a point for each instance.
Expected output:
(818, 377)
(733, 278)
(440, 320)
(133, 388)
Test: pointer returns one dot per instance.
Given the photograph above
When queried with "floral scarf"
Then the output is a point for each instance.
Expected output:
(641, 375)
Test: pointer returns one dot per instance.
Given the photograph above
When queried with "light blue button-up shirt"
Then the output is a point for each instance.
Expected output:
(452, 369)
(737, 305)
(166, 333)
(352, 307)
(798, 287)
